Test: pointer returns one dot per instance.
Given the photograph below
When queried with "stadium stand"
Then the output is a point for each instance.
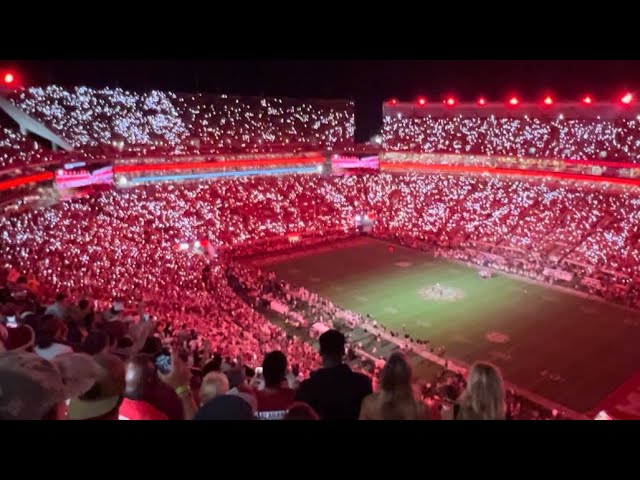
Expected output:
(132, 303)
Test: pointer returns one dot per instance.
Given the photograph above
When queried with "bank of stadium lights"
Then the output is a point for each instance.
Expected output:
(627, 98)
(8, 78)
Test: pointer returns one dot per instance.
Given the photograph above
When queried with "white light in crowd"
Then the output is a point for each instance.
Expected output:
(627, 98)
(122, 181)
(71, 165)
(358, 218)
(197, 244)
(320, 168)
(183, 246)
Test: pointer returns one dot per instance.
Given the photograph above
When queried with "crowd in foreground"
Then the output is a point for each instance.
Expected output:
(74, 361)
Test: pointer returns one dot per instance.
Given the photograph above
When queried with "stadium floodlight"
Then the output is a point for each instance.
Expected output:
(450, 101)
(393, 101)
(548, 100)
(422, 101)
(513, 101)
(627, 98)
(482, 101)
(9, 78)
(587, 99)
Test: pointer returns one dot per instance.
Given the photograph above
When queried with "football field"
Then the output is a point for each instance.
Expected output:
(571, 350)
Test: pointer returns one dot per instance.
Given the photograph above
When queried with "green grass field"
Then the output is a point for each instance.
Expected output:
(571, 350)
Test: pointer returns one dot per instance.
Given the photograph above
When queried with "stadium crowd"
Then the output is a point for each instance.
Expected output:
(79, 361)
(129, 304)
(16, 149)
(117, 252)
(120, 121)
(523, 227)
(575, 139)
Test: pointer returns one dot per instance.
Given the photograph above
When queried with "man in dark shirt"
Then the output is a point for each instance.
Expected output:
(143, 384)
(334, 391)
(276, 397)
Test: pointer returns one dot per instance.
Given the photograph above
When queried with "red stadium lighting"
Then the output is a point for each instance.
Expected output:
(587, 100)
(422, 101)
(393, 101)
(548, 100)
(627, 98)
(514, 101)
(450, 102)
(9, 78)
(482, 101)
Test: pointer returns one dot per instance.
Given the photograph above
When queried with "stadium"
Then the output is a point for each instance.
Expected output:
(210, 231)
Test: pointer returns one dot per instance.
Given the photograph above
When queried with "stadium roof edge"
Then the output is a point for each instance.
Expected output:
(28, 123)
(325, 101)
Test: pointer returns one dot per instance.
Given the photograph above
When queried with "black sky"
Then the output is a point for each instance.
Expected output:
(368, 82)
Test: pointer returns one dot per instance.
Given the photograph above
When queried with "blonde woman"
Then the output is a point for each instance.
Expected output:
(395, 400)
(483, 398)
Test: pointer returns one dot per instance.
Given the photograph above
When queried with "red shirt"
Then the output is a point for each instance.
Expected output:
(139, 410)
(273, 404)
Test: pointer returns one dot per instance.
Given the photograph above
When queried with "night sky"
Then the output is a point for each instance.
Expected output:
(368, 83)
